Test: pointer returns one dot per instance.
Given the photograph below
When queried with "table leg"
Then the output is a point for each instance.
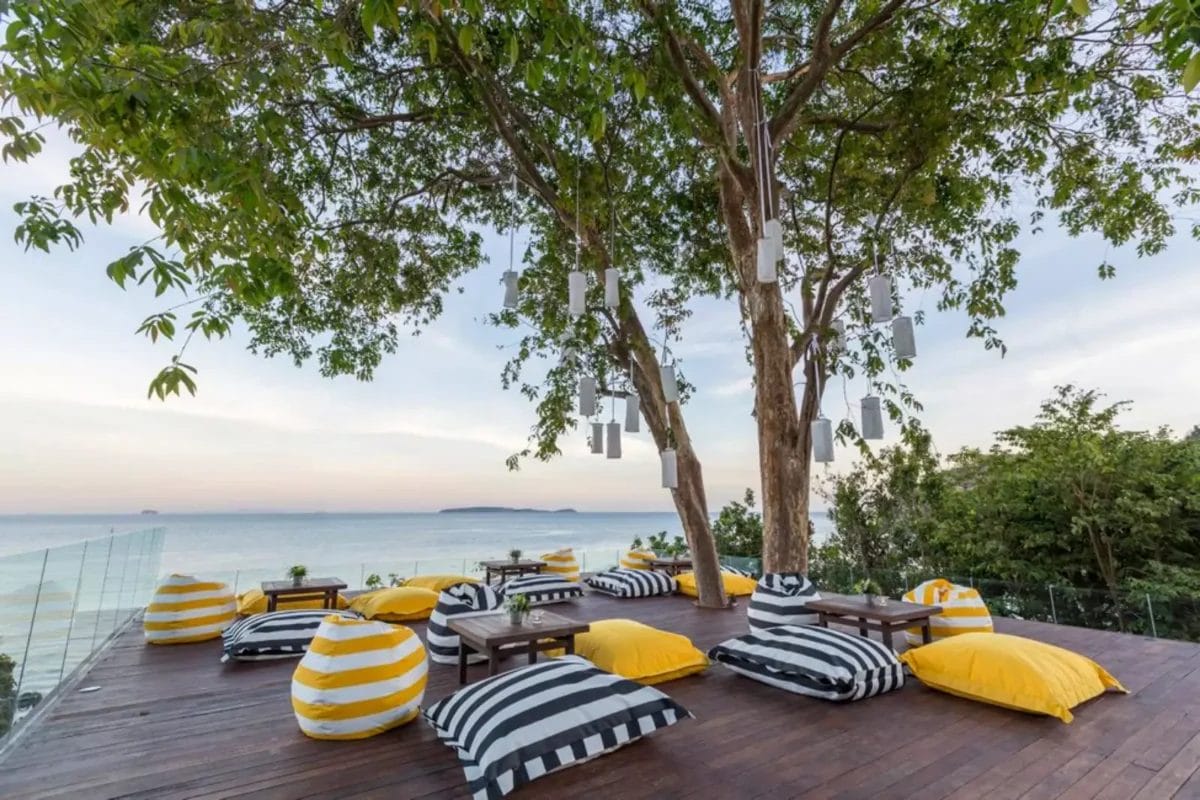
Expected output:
(331, 600)
(926, 632)
(494, 661)
(822, 619)
(462, 662)
(887, 636)
(271, 600)
(862, 629)
(533, 651)
(569, 645)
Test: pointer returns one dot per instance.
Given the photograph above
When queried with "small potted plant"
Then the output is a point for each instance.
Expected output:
(517, 606)
(297, 573)
(677, 549)
(636, 544)
(395, 579)
(515, 555)
(871, 591)
(374, 581)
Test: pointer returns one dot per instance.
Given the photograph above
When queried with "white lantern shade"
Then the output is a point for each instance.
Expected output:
(587, 396)
(577, 293)
(598, 438)
(670, 469)
(766, 261)
(612, 288)
(904, 340)
(774, 232)
(880, 289)
(839, 334)
(614, 439)
(872, 418)
(632, 413)
(568, 356)
(822, 440)
(669, 384)
(510, 289)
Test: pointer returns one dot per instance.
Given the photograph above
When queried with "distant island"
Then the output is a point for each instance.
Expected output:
(492, 509)
(149, 511)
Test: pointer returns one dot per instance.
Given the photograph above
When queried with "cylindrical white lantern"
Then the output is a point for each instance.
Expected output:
(587, 396)
(568, 356)
(612, 288)
(670, 385)
(839, 335)
(904, 340)
(670, 470)
(766, 261)
(872, 418)
(822, 440)
(632, 413)
(880, 288)
(510, 289)
(577, 293)
(614, 440)
(774, 231)
(598, 438)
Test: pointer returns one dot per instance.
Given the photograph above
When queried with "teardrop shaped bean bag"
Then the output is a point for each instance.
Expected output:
(637, 559)
(185, 609)
(781, 598)
(963, 610)
(561, 563)
(438, 583)
(359, 678)
(397, 604)
(735, 585)
(463, 600)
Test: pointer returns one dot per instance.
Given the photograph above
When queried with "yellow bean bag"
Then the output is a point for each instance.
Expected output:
(735, 585)
(637, 559)
(561, 563)
(399, 604)
(639, 652)
(1010, 671)
(185, 609)
(963, 610)
(358, 678)
(438, 583)
(253, 601)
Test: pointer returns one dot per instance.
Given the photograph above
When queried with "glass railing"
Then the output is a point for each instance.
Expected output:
(60, 605)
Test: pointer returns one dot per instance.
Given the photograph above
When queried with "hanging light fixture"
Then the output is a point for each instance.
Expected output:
(577, 293)
(598, 438)
(839, 334)
(880, 289)
(511, 293)
(765, 266)
(612, 288)
(872, 418)
(587, 396)
(770, 249)
(632, 412)
(822, 440)
(614, 439)
(904, 340)
(670, 469)
(669, 384)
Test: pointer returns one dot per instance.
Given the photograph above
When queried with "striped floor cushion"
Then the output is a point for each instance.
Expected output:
(813, 661)
(515, 727)
(359, 678)
(780, 598)
(963, 610)
(561, 563)
(275, 634)
(632, 583)
(466, 599)
(637, 559)
(185, 609)
(737, 571)
(542, 589)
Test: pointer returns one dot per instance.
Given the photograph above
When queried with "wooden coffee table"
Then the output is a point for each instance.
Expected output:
(671, 566)
(854, 611)
(493, 635)
(312, 588)
(509, 567)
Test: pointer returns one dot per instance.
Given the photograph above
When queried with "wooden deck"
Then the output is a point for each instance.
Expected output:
(172, 722)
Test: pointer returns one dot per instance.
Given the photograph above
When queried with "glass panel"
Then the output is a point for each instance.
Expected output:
(20, 575)
(53, 616)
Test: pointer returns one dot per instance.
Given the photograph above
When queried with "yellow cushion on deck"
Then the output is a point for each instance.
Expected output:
(639, 652)
(438, 583)
(735, 585)
(253, 601)
(963, 610)
(399, 604)
(561, 563)
(637, 559)
(185, 609)
(1010, 671)
(358, 678)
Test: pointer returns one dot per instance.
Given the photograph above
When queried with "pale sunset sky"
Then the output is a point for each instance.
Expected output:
(77, 433)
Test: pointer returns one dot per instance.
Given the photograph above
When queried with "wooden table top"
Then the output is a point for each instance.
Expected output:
(493, 630)
(509, 563)
(856, 605)
(309, 585)
(671, 562)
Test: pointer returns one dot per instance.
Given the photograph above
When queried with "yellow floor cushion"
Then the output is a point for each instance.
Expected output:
(963, 610)
(562, 564)
(399, 604)
(735, 585)
(637, 559)
(253, 601)
(185, 609)
(639, 652)
(1010, 671)
(359, 678)
(438, 583)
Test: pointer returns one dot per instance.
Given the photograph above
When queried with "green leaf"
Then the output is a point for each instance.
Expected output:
(1191, 73)
(466, 38)
(534, 75)
(1081, 7)
(514, 51)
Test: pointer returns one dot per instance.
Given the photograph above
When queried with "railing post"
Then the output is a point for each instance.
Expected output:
(74, 610)
(362, 574)
(37, 599)
(1053, 610)
(237, 578)
(103, 590)
(1150, 608)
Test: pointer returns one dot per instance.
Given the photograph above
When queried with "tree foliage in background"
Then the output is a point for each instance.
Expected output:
(738, 528)
(8, 693)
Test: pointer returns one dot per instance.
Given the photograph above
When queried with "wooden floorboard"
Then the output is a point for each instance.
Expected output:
(173, 723)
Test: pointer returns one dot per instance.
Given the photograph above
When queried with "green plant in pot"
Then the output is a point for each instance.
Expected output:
(870, 589)
(517, 606)
(374, 582)
(515, 555)
(677, 549)
(297, 573)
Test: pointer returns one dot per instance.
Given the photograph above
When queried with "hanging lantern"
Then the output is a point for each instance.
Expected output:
(822, 440)
(577, 293)
(669, 384)
(904, 340)
(568, 356)
(598, 438)
(670, 469)
(632, 409)
(614, 440)
(839, 335)
(774, 231)
(880, 288)
(766, 261)
(872, 418)
(612, 288)
(587, 396)
(510, 289)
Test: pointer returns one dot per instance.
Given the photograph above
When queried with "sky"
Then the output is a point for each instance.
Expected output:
(78, 434)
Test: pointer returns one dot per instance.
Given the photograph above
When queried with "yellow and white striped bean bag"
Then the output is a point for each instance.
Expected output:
(637, 559)
(561, 563)
(186, 609)
(963, 610)
(359, 678)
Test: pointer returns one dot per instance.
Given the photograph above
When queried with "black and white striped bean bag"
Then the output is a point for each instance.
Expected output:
(277, 634)
(781, 598)
(632, 583)
(736, 571)
(520, 725)
(463, 600)
(542, 589)
(813, 661)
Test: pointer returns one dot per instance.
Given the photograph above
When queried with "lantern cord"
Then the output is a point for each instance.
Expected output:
(512, 232)
(578, 158)
(762, 156)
